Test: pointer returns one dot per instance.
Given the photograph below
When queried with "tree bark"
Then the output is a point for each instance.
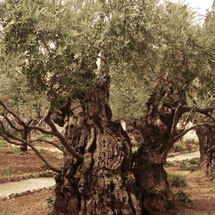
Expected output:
(104, 182)
(156, 132)
(25, 134)
(206, 135)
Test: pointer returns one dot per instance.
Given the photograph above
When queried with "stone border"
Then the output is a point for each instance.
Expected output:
(28, 192)
(47, 173)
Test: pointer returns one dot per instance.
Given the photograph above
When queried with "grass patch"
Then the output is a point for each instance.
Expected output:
(194, 161)
(182, 198)
(176, 180)
(4, 143)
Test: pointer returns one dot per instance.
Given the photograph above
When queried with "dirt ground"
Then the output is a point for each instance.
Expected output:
(14, 163)
(33, 204)
(199, 189)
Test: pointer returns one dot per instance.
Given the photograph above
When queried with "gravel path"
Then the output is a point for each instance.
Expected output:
(182, 157)
(7, 189)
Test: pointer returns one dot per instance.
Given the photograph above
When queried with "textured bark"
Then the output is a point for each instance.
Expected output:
(104, 182)
(206, 137)
(155, 134)
(25, 134)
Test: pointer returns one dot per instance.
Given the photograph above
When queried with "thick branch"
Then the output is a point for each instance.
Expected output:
(50, 143)
(42, 158)
(42, 130)
(189, 129)
(63, 140)
(12, 113)
(175, 122)
(12, 125)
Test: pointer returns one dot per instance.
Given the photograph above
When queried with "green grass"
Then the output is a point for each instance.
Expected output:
(176, 180)
(194, 161)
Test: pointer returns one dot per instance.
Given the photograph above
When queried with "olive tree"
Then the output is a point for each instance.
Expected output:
(154, 48)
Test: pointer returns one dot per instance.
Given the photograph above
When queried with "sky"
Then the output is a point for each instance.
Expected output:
(199, 6)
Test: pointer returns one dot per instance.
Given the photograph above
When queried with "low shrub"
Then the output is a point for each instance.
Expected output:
(178, 147)
(182, 198)
(176, 180)
(194, 161)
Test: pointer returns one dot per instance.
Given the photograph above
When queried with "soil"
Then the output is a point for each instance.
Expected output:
(14, 163)
(199, 189)
(32, 204)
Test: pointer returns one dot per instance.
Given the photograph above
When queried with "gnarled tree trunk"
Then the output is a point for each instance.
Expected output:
(206, 135)
(103, 183)
(157, 131)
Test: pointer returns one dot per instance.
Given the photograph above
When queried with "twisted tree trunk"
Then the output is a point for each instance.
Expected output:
(157, 132)
(104, 182)
(206, 135)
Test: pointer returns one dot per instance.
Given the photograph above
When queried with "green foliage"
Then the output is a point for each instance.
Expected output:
(176, 180)
(52, 213)
(183, 164)
(50, 203)
(194, 161)
(178, 147)
(191, 165)
(182, 198)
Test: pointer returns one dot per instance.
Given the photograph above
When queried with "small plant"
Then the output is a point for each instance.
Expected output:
(194, 161)
(50, 203)
(188, 146)
(178, 147)
(3, 143)
(52, 213)
(183, 164)
(176, 180)
(182, 198)
(196, 142)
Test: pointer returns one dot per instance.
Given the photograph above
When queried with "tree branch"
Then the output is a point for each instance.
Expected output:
(189, 129)
(50, 143)
(63, 140)
(12, 125)
(12, 113)
(175, 122)
(199, 110)
(42, 158)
